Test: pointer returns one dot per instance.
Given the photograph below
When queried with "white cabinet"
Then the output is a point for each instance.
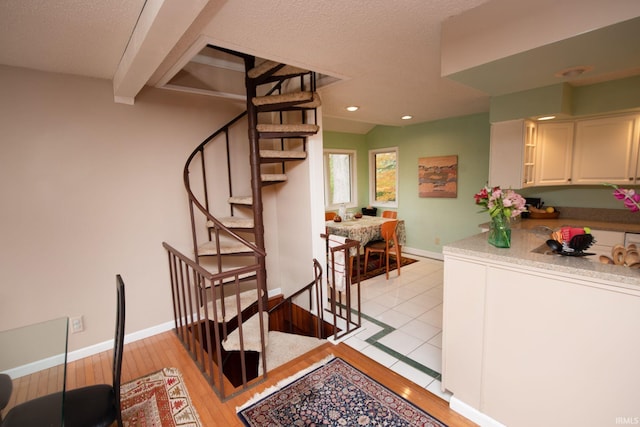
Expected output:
(512, 155)
(517, 337)
(577, 152)
(606, 150)
(554, 153)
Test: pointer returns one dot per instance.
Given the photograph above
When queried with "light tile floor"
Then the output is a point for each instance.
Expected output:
(402, 322)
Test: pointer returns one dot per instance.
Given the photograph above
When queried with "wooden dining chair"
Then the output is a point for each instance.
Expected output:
(90, 406)
(384, 247)
(390, 214)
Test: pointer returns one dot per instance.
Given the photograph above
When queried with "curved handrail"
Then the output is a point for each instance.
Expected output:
(192, 197)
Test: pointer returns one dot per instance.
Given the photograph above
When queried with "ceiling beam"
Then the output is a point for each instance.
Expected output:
(160, 25)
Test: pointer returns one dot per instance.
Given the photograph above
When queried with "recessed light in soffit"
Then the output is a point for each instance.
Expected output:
(573, 72)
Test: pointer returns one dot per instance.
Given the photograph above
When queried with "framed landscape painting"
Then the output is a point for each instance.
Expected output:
(438, 176)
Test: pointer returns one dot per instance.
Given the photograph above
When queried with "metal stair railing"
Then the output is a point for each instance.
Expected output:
(193, 289)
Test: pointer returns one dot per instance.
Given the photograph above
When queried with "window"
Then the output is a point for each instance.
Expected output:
(340, 178)
(383, 177)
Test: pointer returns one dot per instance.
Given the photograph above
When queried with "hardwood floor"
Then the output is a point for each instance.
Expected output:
(165, 350)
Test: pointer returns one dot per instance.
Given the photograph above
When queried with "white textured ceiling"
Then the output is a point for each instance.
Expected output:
(67, 36)
(387, 54)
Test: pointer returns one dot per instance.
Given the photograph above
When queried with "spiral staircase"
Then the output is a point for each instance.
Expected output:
(221, 307)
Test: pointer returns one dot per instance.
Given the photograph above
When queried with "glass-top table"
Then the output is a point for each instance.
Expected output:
(35, 357)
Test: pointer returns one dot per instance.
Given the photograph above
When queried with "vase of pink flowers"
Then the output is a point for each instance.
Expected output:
(502, 205)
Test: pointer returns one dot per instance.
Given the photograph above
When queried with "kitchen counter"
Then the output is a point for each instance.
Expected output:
(524, 241)
(530, 339)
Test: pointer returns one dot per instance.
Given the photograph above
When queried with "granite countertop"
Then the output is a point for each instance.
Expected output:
(523, 241)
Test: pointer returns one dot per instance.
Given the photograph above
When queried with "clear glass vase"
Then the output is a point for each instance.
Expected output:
(500, 231)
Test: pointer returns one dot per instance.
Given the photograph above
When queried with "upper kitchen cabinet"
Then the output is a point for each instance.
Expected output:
(606, 150)
(512, 155)
(554, 153)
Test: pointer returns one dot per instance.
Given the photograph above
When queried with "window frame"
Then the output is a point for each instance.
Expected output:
(353, 177)
(372, 177)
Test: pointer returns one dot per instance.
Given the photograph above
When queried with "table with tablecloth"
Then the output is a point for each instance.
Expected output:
(365, 229)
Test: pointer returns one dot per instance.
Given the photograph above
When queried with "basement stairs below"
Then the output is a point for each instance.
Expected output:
(280, 347)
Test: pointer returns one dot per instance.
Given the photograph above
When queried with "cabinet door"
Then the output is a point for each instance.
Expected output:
(554, 150)
(605, 151)
(511, 159)
(463, 328)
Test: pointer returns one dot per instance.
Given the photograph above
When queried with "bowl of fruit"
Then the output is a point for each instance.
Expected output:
(543, 213)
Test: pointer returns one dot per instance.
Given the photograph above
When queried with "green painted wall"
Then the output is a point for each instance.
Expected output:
(555, 99)
(606, 97)
(600, 98)
(428, 219)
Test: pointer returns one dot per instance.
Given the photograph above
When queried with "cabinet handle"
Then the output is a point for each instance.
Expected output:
(630, 178)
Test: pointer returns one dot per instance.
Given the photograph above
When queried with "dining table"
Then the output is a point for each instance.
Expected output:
(365, 229)
(35, 358)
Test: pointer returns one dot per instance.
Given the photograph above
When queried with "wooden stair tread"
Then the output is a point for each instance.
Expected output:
(233, 222)
(314, 103)
(291, 105)
(247, 299)
(242, 277)
(283, 155)
(234, 248)
(267, 66)
(284, 347)
(251, 339)
(296, 127)
(286, 130)
(284, 98)
(241, 200)
(273, 177)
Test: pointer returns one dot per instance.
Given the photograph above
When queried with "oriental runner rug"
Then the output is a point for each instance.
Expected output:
(159, 400)
(334, 393)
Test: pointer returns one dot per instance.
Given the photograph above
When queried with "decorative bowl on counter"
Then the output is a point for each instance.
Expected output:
(544, 215)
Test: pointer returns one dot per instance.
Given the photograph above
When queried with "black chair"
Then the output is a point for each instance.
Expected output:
(91, 406)
(6, 386)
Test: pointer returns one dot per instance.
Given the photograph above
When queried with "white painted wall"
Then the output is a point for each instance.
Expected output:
(90, 188)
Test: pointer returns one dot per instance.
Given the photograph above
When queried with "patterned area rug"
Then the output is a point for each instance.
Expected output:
(333, 394)
(159, 400)
(374, 270)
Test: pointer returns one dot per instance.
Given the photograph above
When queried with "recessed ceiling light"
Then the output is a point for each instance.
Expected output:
(573, 72)
(406, 117)
(546, 118)
(352, 108)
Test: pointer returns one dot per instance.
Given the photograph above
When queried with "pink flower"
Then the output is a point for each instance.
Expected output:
(630, 197)
(498, 201)
(632, 201)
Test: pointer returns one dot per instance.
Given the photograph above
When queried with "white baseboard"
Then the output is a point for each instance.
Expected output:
(422, 253)
(108, 345)
(473, 414)
(38, 365)
(52, 361)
